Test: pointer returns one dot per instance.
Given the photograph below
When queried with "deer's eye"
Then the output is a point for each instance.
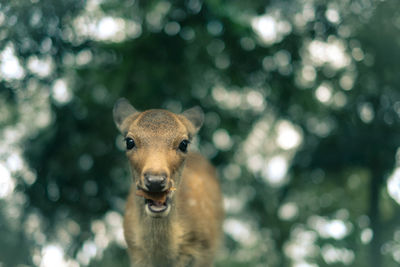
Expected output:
(130, 143)
(183, 145)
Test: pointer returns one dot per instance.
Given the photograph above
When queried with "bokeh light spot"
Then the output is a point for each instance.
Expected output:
(222, 139)
(393, 185)
(10, 68)
(275, 171)
(61, 92)
(289, 136)
(7, 183)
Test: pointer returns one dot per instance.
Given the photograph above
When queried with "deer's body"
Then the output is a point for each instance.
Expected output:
(184, 228)
(190, 235)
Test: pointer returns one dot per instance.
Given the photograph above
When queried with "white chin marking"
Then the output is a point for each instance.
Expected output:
(157, 212)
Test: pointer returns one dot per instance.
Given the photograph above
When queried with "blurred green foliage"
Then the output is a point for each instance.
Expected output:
(326, 72)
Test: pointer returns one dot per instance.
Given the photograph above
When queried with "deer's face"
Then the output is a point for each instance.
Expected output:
(156, 146)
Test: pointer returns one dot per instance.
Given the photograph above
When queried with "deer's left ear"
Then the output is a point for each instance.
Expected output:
(196, 116)
(121, 111)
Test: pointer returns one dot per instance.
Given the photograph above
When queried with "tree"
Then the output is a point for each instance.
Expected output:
(302, 120)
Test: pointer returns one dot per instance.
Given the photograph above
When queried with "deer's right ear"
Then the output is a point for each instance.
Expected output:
(196, 116)
(122, 110)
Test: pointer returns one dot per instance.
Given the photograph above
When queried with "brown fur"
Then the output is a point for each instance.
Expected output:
(189, 234)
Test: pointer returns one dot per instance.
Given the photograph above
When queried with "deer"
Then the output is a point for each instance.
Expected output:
(174, 213)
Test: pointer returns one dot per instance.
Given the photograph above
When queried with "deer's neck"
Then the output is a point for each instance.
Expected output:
(157, 230)
(160, 237)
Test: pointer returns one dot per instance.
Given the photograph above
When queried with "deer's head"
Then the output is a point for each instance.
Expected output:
(157, 144)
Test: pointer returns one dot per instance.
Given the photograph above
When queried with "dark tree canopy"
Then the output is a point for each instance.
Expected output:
(302, 121)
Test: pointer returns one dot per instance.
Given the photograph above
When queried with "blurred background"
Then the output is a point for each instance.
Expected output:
(302, 120)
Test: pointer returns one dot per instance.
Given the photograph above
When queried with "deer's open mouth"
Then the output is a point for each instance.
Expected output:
(156, 203)
(157, 206)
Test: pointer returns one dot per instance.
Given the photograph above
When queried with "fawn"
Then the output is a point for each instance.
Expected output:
(174, 210)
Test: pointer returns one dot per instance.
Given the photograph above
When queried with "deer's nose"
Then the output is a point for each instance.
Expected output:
(155, 182)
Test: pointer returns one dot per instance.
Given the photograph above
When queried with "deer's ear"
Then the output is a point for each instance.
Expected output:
(122, 110)
(196, 116)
